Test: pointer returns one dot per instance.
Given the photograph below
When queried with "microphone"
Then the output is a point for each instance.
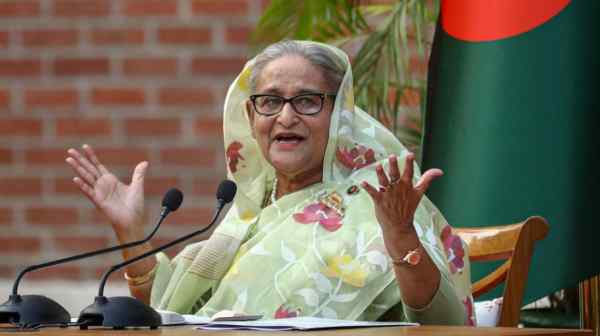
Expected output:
(120, 312)
(32, 310)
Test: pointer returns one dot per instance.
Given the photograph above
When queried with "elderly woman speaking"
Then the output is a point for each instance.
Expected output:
(329, 220)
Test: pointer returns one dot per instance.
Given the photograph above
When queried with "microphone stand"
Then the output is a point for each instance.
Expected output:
(120, 312)
(32, 310)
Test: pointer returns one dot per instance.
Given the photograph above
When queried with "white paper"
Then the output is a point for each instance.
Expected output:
(297, 323)
(172, 318)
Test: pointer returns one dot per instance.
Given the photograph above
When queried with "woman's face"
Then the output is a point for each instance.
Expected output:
(294, 144)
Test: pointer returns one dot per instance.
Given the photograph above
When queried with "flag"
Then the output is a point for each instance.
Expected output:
(513, 119)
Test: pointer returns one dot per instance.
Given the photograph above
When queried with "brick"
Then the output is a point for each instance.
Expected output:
(81, 66)
(217, 65)
(238, 35)
(191, 216)
(150, 66)
(50, 37)
(79, 243)
(122, 156)
(45, 156)
(151, 7)
(53, 216)
(50, 98)
(184, 35)
(6, 216)
(185, 96)
(71, 272)
(73, 8)
(3, 39)
(7, 272)
(187, 156)
(4, 98)
(19, 8)
(22, 245)
(158, 186)
(20, 127)
(83, 127)
(20, 186)
(6, 156)
(204, 186)
(125, 36)
(223, 7)
(20, 67)
(66, 186)
(152, 127)
(118, 96)
(117, 276)
(208, 127)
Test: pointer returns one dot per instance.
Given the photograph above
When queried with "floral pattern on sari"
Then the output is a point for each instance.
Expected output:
(284, 311)
(468, 303)
(454, 249)
(355, 158)
(350, 271)
(327, 217)
(233, 155)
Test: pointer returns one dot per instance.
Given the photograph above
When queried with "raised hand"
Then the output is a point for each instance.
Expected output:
(122, 204)
(397, 199)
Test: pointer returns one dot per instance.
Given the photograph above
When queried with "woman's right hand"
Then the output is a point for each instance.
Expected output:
(122, 204)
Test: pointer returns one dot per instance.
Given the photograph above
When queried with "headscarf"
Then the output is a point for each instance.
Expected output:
(317, 251)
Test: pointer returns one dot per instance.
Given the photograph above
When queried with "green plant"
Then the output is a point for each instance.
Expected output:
(381, 34)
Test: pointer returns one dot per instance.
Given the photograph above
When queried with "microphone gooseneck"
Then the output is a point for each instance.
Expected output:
(124, 311)
(171, 202)
(225, 194)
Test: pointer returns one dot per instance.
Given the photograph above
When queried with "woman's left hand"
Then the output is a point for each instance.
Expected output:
(397, 199)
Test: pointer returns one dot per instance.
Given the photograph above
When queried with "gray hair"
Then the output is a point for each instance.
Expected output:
(322, 57)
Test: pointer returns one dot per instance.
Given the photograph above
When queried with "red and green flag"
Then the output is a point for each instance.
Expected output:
(513, 119)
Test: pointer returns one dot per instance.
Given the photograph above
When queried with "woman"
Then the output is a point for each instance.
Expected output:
(329, 219)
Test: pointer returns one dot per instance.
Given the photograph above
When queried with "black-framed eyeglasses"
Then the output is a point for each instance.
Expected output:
(306, 103)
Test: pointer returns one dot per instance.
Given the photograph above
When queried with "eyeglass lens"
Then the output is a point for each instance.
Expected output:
(304, 104)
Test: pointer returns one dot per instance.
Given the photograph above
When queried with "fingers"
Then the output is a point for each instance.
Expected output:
(408, 172)
(83, 162)
(426, 179)
(91, 155)
(85, 188)
(84, 174)
(394, 171)
(381, 176)
(139, 172)
(372, 191)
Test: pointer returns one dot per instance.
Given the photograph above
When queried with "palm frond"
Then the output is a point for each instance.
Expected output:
(317, 20)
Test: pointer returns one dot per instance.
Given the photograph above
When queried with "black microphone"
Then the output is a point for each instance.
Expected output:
(32, 310)
(124, 311)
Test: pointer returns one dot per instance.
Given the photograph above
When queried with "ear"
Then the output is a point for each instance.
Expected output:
(250, 115)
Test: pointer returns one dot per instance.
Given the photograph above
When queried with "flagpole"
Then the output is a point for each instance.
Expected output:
(589, 304)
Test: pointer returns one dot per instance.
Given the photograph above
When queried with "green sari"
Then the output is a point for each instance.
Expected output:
(317, 251)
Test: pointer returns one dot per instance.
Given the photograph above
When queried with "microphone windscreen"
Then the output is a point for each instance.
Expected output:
(172, 199)
(226, 191)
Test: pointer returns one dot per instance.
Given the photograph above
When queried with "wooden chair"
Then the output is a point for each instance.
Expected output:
(513, 243)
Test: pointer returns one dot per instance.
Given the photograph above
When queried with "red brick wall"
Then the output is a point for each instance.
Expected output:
(139, 80)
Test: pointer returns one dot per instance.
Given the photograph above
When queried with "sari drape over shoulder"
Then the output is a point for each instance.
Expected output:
(318, 251)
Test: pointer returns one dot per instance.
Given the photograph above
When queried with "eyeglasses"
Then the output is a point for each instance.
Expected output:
(307, 103)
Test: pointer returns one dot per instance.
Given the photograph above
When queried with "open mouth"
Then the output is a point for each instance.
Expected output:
(288, 138)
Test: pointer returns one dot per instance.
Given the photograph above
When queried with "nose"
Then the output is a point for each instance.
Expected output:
(287, 117)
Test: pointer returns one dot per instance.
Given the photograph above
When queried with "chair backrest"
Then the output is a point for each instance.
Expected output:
(513, 243)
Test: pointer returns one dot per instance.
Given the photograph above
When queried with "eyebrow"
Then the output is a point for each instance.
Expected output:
(275, 91)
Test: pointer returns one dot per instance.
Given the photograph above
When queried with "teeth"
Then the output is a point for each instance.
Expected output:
(288, 140)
